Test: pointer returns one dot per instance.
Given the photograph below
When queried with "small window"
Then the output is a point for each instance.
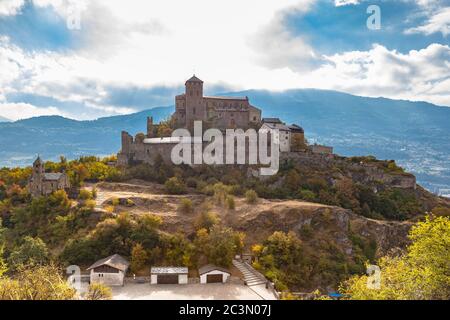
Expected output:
(193, 111)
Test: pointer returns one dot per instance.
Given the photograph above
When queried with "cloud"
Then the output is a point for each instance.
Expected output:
(339, 3)
(438, 22)
(418, 75)
(10, 7)
(133, 55)
(17, 111)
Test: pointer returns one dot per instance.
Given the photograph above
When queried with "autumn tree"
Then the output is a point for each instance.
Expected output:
(422, 273)
(39, 282)
(138, 258)
(98, 291)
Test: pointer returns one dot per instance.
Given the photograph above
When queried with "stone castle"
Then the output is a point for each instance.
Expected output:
(218, 112)
(43, 183)
(214, 112)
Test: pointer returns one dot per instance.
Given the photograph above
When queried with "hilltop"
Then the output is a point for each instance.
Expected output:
(415, 134)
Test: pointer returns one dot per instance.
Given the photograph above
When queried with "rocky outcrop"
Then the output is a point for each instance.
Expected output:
(313, 222)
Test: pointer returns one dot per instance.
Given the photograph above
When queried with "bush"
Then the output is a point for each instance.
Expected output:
(186, 205)
(175, 186)
(85, 195)
(206, 220)
(231, 205)
(191, 183)
(306, 195)
(98, 291)
(251, 197)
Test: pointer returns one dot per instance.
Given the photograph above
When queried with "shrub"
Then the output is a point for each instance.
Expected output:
(185, 205)
(306, 195)
(98, 291)
(206, 220)
(85, 195)
(231, 205)
(191, 183)
(175, 186)
(115, 201)
(251, 197)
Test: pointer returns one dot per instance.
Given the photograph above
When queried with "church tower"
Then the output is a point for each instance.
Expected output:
(37, 177)
(195, 106)
(38, 168)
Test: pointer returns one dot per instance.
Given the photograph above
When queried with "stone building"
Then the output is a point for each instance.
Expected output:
(292, 138)
(110, 271)
(218, 112)
(214, 112)
(43, 183)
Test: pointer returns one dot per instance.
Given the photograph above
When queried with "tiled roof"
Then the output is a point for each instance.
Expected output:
(115, 261)
(280, 127)
(272, 120)
(52, 176)
(226, 98)
(169, 270)
(211, 267)
(194, 79)
(296, 128)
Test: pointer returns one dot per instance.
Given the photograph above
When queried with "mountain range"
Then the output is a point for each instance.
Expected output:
(415, 134)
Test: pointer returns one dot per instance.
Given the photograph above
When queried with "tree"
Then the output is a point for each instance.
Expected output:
(3, 265)
(220, 245)
(293, 180)
(31, 251)
(39, 282)
(138, 258)
(98, 291)
(422, 273)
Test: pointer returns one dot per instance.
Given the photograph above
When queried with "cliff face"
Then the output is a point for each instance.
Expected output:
(313, 222)
(359, 171)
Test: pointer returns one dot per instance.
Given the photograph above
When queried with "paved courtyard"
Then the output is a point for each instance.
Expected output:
(211, 291)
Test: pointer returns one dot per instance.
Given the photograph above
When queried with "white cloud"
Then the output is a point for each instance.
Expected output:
(240, 44)
(17, 111)
(438, 22)
(10, 7)
(418, 75)
(339, 3)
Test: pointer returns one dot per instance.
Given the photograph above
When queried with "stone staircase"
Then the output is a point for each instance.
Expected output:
(251, 276)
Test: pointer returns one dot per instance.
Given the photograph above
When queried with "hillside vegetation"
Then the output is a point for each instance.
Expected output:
(309, 227)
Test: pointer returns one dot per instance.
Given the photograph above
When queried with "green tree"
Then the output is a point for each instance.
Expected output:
(31, 251)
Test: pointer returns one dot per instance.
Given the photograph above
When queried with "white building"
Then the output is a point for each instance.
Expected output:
(285, 132)
(213, 274)
(169, 275)
(109, 271)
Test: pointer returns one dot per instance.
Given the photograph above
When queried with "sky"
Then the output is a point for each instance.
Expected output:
(86, 59)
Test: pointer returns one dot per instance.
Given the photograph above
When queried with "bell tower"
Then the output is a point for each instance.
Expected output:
(195, 106)
(38, 168)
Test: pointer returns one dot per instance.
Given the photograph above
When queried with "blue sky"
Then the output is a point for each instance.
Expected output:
(133, 55)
